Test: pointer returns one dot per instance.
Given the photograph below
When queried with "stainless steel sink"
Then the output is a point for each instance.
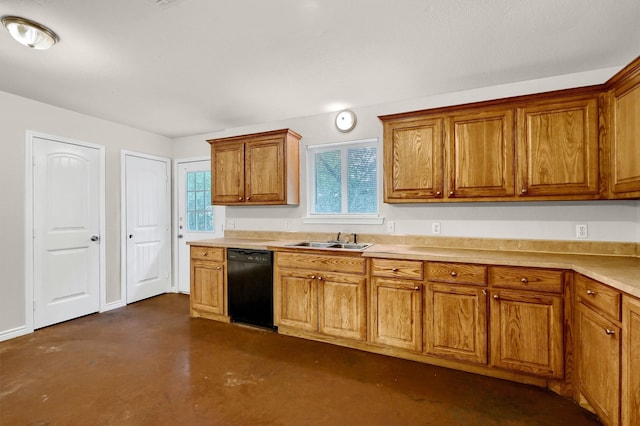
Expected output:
(331, 245)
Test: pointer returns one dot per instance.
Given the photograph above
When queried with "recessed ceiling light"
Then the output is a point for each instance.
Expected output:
(30, 33)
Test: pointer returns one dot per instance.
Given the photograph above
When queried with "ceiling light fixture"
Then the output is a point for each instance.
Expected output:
(30, 33)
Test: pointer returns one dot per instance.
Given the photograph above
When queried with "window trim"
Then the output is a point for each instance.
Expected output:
(342, 218)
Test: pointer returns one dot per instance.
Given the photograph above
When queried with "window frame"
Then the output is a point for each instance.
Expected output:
(342, 218)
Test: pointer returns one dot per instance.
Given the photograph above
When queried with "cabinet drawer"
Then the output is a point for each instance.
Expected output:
(396, 268)
(598, 296)
(214, 254)
(549, 280)
(457, 273)
(319, 262)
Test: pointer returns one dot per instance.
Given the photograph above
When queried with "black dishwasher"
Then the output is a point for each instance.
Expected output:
(250, 286)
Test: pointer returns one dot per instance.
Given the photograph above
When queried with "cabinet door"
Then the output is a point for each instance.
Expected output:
(412, 160)
(456, 322)
(342, 305)
(396, 313)
(265, 171)
(558, 148)
(480, 154)
(296, 299)
(527, 332)
(227, 173)
(598, 354)
(625, 149)
(207, 287)
(630, 361)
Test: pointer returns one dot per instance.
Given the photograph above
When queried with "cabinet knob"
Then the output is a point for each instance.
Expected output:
(524, 280)
(609, 332)
(495, 296)
(394, 269)
(248, 198)
(591, 292)
(454, 274)
(523, 191)
(451, 193)
(219, 267)
(313, 277)
(239, 198)
(204, 253)
(438, 193)
(416, 288)
(319, 278)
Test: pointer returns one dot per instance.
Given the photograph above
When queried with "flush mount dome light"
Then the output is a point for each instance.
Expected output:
(29, 33)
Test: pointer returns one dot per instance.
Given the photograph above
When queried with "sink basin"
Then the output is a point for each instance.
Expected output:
(331, 245)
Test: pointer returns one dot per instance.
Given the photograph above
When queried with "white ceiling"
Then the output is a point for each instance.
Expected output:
(197, 66)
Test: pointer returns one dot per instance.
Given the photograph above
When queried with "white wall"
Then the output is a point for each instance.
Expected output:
(606, 220)
(17, 115)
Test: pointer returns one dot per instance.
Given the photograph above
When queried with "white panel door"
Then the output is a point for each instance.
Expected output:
(148, 258)
(66, 221)
(197, 218)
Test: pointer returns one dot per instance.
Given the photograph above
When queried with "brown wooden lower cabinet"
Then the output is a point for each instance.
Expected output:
(630, 361)
(527, 332)
(208, 296)
(598, 354)
(456, 322)
(320, 301)
(396, 313)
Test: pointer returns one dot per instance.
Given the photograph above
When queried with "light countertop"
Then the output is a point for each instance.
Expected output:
(620, 272)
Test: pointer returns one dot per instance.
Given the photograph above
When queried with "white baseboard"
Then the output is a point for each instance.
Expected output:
(14, 332)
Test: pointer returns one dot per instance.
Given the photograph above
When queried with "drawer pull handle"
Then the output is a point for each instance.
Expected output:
(524, 280)
(495, 296)
(394, 269)
(591, 292)
(609, 332)
(454, 274)
(484, 292)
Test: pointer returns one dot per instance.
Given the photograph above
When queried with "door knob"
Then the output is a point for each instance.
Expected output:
(95, 238)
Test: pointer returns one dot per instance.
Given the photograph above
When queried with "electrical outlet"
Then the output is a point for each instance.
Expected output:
(231, 224)
(581, 230)
(435, 228)
(391, 227)
(287, 224)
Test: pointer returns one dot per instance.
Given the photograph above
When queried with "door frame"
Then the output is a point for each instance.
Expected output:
(123, 217)
(28, 222)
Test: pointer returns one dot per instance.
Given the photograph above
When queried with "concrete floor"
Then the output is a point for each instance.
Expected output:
(150, 364)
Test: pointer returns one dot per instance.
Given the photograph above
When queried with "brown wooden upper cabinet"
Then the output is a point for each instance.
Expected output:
(557, 149)
(624, 132)
(480, 147)
(412, 159)
(261, 168)
(536, 147)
